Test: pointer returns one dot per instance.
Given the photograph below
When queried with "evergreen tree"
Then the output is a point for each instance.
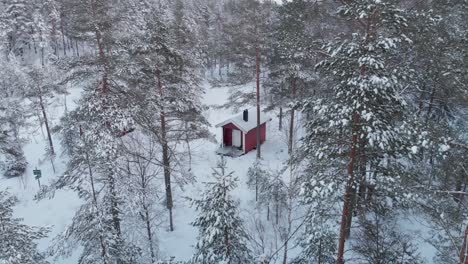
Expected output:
(167, 79)
(364, 130)
(380, 241)
(12, 118)
(19, 241)
(257, 179)
(221, 237)
(18, 16)
(93, 173)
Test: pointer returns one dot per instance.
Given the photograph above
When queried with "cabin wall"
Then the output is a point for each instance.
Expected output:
(251, 138)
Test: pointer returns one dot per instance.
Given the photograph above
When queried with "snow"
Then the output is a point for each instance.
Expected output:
(245, 126)
(58, 212)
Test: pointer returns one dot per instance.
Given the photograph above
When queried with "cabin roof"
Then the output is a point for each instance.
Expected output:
(244, 126)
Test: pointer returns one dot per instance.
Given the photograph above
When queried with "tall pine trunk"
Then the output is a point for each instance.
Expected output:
(165, 155)
(257, 59)
(46, 120)
(280, 125)
(95, 202)
(464, 249)
(114, 210)
(348, 193)
(63, 36)
(291, 123)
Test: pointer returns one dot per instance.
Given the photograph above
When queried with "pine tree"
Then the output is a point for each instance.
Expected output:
(12, 118)
(257, 179)
(19, 241)
(93, 172)
(18, 15)
(441, 101)
(221, 237)
(379, 240)
(167, 81)
(363, 132)
(291, 62)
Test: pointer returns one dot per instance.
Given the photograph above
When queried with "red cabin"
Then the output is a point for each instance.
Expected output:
(240, 133)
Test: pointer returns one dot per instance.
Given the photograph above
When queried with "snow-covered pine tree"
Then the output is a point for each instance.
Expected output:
(257, 178)
(142, 192)
(183, 28)
(43, 85)
(358, 138)
(441, 102)
(221, 237)
(207, 16)
(12, 118)
(93, 172)
(166, 76)
(380, 240)
(18, 16)
(291, 62)
(18, 241)
(92, 131)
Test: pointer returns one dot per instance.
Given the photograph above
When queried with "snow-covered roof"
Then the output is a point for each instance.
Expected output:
(245, 126)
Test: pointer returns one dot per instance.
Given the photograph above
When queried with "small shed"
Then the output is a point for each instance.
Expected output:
(239, 133)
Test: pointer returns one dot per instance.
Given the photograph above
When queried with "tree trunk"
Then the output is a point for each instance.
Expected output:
(63, 36)
(220, 73)
(348, 193)
(259, 155)
(149, 233)
(285, 254)
(361, 192)
(464, 249)
(114, 203)
(103, 59)
(95, 201)
(256, 187)
(291, 124)
(46, 121)
(319, 261)
(42, 50)
(77, 49)
(189, 150)
(280, 126)
(277, 208)
(268, 211)
(431, 102)
(165, 156)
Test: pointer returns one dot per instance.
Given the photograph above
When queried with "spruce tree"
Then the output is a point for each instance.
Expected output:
(221, 237)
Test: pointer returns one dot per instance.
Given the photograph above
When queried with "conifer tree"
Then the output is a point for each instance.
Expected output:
(221, 237)
(13, 116)
(18, 241)
(363, 132)
(18, 16)
(167, 81)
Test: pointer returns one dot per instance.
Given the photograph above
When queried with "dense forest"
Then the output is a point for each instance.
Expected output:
(368, 99)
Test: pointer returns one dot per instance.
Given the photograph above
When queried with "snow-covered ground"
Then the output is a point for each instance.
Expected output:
(58, 212)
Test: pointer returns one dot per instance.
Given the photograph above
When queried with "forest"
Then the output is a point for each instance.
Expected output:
(234, 131)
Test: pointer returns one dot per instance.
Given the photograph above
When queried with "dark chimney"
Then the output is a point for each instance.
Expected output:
(246, 115)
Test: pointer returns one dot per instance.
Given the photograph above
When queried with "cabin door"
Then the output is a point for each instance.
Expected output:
(236, 138)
